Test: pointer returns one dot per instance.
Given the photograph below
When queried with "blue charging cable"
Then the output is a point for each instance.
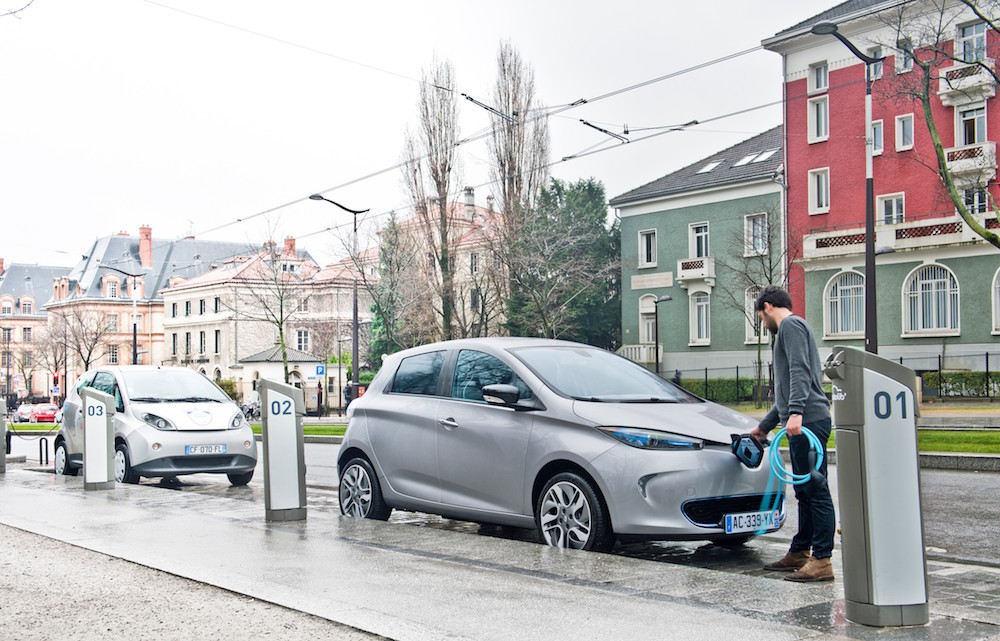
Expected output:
(782, 475)
(778, 469)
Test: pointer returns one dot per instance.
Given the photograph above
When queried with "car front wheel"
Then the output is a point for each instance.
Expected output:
(570, 514)
(360, 494)
(123, 467)
(61, 461)
(240, 479)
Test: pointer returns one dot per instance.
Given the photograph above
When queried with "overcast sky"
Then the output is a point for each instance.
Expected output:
(189, 115)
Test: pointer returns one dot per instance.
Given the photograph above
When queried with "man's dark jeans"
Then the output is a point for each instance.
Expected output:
(816, 517)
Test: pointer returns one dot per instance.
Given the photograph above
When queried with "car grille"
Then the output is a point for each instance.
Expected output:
(711, 512)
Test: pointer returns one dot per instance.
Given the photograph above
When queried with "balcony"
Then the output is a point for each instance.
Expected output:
(975, 163)
(964, 83)
(643, 354)
(690, 270)
(916, 233)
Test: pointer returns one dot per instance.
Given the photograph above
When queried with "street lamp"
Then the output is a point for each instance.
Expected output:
(871, 327)
(354, 270)
(656, 328)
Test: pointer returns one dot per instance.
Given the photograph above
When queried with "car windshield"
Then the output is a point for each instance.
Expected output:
(168, 386)
(591, 374)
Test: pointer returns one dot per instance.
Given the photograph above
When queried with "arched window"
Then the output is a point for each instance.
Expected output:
(700, 319)
(930, 301)
(647, 316)
(754, 329)
(996, 302)
(844, 305)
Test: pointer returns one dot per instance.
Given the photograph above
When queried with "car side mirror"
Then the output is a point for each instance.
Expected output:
(501, 394)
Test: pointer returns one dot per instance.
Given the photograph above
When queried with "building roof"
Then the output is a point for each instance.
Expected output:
(21, 280)
(842, 12)
(758, 158)
(273, 355)
(119, 256)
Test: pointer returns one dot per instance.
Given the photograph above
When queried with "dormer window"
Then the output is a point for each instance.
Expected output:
(112, 289)
(27, 307)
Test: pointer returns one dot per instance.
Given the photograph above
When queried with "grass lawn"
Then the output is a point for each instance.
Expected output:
(955, 441)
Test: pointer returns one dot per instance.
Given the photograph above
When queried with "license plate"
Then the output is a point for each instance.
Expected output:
(751, 521)
(204, 449)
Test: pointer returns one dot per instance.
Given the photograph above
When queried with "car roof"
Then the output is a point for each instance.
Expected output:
(495, 342)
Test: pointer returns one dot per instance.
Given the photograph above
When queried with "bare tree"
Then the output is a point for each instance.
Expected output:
(270, 289)
(754, 257)
(519, 152)
(924, 33)
(14, 12)
(51, 348)
(87, 333)
(429, 165)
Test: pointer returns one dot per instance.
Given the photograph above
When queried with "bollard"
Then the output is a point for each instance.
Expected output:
(43, 448)
(283, 407)
(98, 440)
(6, 436)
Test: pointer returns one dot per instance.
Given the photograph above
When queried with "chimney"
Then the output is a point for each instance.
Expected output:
(290, 245)
(146, 246)
(1, 265)
(470, 203)
(489, 202)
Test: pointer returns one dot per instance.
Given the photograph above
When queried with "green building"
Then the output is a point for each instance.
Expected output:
(708, 236)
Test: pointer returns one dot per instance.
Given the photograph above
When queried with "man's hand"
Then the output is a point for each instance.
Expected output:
(793, 427)
(758, 434)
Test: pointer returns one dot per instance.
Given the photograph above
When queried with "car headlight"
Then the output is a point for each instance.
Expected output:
(238, 421)
(158, 422)
(653, 439)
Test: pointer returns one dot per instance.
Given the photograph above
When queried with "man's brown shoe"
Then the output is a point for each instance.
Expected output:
(814, 570)
(791, 561)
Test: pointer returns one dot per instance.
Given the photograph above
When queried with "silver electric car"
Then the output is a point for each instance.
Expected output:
(578, 442)
(168, 421)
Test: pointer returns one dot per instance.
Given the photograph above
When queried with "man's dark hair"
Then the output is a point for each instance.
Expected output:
(775, 295)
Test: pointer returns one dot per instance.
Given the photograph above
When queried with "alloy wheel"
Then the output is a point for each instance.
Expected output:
(356, 492)
(565, 516)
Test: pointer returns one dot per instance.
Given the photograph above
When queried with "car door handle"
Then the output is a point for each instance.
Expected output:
(450, 423)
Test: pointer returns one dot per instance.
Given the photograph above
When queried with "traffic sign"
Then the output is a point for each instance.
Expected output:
(320, 369)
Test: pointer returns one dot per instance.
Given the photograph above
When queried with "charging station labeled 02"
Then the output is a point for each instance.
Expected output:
(279, 408)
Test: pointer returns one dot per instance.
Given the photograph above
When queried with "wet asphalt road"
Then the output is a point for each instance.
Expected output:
(961, 513)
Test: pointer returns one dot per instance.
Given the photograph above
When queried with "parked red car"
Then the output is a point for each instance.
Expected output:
(44, 413)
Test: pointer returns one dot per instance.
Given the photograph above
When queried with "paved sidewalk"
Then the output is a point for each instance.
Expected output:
(408, 582)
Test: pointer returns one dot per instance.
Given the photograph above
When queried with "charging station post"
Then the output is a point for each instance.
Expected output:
(284, 452)
(98, 440)
(875, 414)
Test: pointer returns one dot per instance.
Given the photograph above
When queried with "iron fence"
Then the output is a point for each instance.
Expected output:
(728, 384)
(968, 376)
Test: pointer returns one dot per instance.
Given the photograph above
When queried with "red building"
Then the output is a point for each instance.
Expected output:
(937, 281)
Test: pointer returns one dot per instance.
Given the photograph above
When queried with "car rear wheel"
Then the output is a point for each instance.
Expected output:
(240, 479)
(123, 466)
(360, 494)
(570, 514)
(61, 461)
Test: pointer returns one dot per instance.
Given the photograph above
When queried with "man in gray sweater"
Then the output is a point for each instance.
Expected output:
(799, 401)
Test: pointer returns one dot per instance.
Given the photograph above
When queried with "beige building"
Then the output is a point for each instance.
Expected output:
(224, 323)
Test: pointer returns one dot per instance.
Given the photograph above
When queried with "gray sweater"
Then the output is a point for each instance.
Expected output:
(798, 376)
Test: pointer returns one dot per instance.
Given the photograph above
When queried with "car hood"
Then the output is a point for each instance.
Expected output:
(190, 416)
(707, 421)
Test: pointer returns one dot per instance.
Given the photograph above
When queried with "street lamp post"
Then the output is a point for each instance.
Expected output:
(656, 328)
(354, 270)
(871, 326)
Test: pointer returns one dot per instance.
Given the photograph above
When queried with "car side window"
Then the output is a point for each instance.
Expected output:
(475, 370)
(418, 374)
(104, 382)
(84, 381)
